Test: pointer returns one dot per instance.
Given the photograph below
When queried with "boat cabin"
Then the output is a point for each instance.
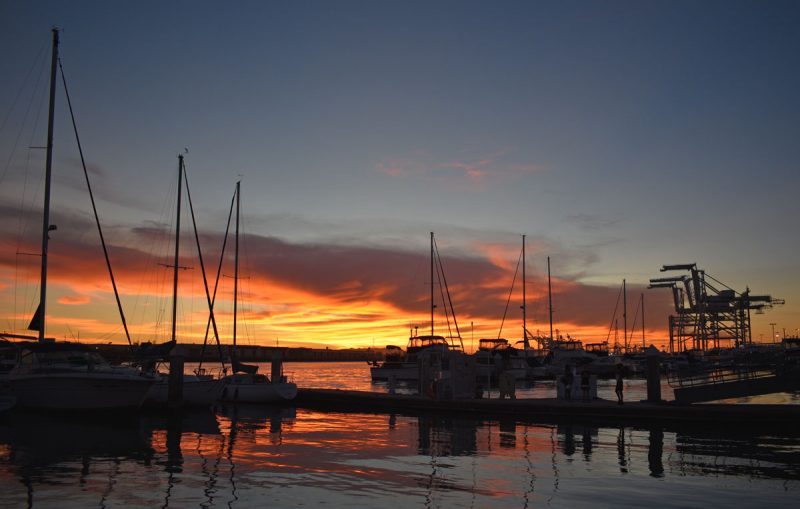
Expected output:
(418, 343)
(57, 357)
(486, 344)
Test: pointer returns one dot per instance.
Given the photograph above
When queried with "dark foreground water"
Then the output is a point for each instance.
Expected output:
(256, 456)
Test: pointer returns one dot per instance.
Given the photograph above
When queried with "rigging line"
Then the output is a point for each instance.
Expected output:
(449, 299)
(22, 86)
(202, 267)
(437, 266)
(245, 305)
(614, 315)
(633, 326)
(158, 240)
(94, 207)
(500, 332)
(25, 120)
(441, 290)
(22, 226)
(160, 243)
(219, 272)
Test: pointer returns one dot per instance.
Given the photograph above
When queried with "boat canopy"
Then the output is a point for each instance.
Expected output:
(493, 344)
(418, 342)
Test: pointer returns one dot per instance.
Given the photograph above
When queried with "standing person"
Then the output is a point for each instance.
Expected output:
(585, 385)
(620, 377)
(568, 378)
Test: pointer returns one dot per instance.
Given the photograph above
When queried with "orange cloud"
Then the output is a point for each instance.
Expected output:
(312, 294)
(73, 300)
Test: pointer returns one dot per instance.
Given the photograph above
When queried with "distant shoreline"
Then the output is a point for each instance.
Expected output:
(250, 353)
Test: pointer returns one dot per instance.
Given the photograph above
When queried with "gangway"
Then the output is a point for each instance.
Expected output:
(715, 381)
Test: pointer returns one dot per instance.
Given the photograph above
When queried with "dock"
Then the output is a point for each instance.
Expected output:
(552, 410)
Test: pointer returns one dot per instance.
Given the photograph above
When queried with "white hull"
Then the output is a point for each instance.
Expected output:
(258, 392)
(197, 392)
(483, 371)
(408, 372)
(79, 391)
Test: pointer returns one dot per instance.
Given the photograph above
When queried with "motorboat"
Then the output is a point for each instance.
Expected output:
(566, 352)
(72, 376)
(403, 366)
(495, 356)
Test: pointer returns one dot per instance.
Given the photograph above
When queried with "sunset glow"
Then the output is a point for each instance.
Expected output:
(354, 136)
(306, 295)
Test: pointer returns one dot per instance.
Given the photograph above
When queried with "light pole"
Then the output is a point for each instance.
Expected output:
(773, 331)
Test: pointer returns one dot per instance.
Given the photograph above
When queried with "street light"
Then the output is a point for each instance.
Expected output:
(773, 331)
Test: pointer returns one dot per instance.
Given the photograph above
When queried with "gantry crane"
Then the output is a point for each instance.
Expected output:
(705, 316)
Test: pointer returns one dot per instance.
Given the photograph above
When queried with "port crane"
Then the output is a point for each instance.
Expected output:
(708, 313)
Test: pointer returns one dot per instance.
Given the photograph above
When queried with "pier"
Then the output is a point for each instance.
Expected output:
(711, 385)
(551, 410)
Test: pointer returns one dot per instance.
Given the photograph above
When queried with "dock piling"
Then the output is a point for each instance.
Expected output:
(175, 388)
(277, 368)
(653, 375)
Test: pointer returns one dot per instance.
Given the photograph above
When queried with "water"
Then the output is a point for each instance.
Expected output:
(257, 456)
(355, 375)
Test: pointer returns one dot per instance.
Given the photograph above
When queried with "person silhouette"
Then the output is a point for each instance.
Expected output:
(585, 377)
(620, 377)
(568, 379)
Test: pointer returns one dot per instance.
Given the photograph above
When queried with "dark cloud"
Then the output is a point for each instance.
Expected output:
(592, 222)
(349, 276)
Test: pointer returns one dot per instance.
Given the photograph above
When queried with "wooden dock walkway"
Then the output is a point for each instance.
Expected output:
(552, 410)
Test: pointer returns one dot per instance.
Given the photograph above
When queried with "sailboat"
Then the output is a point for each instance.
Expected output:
(67, 376)
(198, 390)
(246, 385)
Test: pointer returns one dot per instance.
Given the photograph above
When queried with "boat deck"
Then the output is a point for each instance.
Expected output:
(551, 409)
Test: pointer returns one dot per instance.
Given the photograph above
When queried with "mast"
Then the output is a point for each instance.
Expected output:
(643, 345)
(432, 304)
(177, 248)
(236, 264)
(625, 315)
(40, 312)
(550, 299)
(524, 301)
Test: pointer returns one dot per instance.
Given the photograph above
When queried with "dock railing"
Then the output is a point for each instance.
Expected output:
(709, 375)
(741, 368)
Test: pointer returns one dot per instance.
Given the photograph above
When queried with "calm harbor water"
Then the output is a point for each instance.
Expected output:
(257, 456)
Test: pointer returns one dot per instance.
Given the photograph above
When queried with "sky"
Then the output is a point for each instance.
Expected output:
(617, 136)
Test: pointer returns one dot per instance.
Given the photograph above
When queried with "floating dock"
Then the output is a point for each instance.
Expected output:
(552, 410)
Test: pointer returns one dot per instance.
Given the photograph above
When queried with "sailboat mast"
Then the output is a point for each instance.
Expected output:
(48, 173)
(625, 314)
(643, 345)
(177, 248)
(236, 264)
(432, 304)
(550, 298)
(524, 301)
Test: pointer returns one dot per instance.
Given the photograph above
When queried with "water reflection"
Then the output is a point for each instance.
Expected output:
(243, 456)
(655, 451)
(567, 438)
(445, 436)
(737, 453)
(42, 454)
